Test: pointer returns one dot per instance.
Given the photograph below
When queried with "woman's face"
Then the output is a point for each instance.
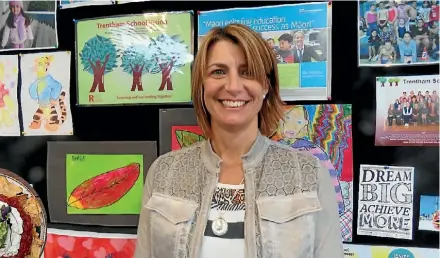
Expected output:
(397, 101)
(374, 33)
(372, 7)
(231, 97)
(15, 9)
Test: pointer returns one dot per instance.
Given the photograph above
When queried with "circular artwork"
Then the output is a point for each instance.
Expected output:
(22, 218)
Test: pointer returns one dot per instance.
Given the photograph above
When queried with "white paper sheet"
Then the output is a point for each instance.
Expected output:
(64, 4)
(385, 206)
(46, 94)
(9, 123)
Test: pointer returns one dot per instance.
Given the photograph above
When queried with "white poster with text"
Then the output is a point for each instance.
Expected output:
(385, 206)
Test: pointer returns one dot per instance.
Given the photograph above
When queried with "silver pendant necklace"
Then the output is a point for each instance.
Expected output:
(220, 225)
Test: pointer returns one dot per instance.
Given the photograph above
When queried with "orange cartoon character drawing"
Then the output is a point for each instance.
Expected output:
(48, 93)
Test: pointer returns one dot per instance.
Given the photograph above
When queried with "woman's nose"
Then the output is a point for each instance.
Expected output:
(234, 83)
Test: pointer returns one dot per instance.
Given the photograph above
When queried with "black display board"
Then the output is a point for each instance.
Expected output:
(350, 85)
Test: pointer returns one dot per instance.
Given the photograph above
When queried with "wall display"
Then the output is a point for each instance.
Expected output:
(45, 98)
(134, 59)
(182, 136)
(27, 25)
(395, 33)
(104, 184)
(300, 35)
(429, 218)
(89, 179)
(366, 251)
(407, 111)
(9, 123)
(385, 206)
(303, 129)
(68, 243)
(78, 3)
(23, 218)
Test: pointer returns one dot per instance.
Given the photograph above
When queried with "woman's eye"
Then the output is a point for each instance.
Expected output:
(218, 72)
(244, 73)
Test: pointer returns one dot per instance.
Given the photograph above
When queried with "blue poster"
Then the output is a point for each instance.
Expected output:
(300, 38)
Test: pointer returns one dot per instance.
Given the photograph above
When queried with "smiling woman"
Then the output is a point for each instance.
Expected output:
(195, 198)
(235, 64)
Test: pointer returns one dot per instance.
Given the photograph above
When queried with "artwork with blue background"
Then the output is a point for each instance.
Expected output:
(429, 213)
(299, 35)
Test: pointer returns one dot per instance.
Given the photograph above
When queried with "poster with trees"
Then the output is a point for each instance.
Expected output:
(140, 59)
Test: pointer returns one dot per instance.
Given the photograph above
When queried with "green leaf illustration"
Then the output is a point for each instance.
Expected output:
(186, 138)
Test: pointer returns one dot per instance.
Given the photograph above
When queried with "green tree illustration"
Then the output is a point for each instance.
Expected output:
(138, 59)
(382, 80)
(171, 53)
(396, 81)
(98, 57)
(390, 81)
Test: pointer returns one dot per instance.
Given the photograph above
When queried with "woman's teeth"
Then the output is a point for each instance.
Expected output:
(233, 104)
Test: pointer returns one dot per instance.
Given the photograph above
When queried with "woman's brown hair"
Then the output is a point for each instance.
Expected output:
(261, 64)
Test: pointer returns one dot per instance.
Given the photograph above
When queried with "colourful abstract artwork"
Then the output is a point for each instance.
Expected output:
(183, 136)
(72, 244)
(104, 184)
(325, 131)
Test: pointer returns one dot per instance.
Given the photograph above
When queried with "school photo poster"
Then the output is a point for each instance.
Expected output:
(429, 218)
(396, 33)
(134, 59)
(28, 25)
(300, 36)
(407, 110)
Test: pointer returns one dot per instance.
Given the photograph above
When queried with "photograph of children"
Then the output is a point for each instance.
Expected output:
(407, 111)
(26, 25)
(429, 213)
(298, 46)
(398, 32)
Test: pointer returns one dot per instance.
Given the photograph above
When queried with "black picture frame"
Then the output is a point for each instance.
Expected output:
(56, 178)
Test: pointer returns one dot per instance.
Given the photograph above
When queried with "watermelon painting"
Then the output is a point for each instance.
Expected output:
(104, 184)
(184, 136)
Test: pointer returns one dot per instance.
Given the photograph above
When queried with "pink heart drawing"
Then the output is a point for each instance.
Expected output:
(118, 244)
(66, 242)
(88, 244)
(49, 238)
(100, 253)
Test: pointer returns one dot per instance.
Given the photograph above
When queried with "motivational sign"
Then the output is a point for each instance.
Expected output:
(299, 35)
(407, 110)
(134, 59)
(385, 206)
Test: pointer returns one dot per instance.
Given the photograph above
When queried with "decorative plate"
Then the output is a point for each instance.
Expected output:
(22, 219)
